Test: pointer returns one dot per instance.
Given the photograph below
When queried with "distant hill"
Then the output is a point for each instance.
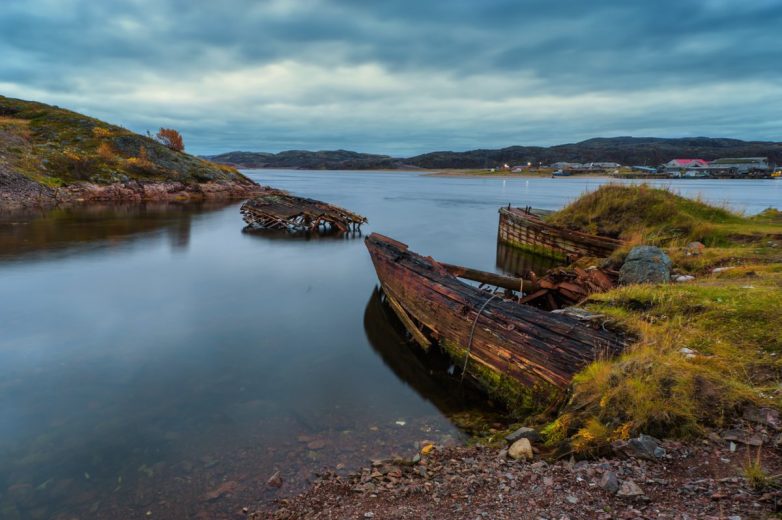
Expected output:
(650, 151)
(322, 160)
(49, 155)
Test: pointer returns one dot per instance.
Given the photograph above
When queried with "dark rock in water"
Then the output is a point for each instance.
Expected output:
(524, 433)
(609, 482)
(275, 480)
(642, 447)
(645, 264)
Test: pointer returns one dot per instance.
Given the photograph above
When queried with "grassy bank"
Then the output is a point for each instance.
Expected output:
(706, 348)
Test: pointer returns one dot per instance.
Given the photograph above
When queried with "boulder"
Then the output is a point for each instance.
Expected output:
(645, 264)
(521, 449)
(524, 433)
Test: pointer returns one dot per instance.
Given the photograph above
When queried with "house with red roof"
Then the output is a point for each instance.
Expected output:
(686, 164)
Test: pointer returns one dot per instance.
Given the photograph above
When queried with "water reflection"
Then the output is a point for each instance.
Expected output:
(426, 372)
(27, 232)
(517, 262)
(282, 234)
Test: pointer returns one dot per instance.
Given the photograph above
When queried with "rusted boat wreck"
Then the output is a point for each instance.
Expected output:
(277, 209)
(524, 228)
(521, 354)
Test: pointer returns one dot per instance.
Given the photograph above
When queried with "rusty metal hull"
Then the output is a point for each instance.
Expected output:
(533, 348)
(523, 229)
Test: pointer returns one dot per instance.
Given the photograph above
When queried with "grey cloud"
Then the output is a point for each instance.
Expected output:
(91, 53)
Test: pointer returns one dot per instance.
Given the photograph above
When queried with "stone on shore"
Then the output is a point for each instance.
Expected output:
(641, 447)
(609, 482)
(645, 264)
(521, 449)
(629, 489)
(524, 433)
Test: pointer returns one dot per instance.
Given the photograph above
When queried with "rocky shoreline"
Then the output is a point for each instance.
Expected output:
(17, 190)
(689, 481)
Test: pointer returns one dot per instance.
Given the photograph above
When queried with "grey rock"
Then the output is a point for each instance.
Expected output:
(742, 437)
(609, 482)
(629, 489)
(641, 447)
(765, 416)
(524, 433)
(645, 264)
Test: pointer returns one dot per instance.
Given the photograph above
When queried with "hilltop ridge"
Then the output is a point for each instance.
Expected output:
(650, 151)
(50, 155)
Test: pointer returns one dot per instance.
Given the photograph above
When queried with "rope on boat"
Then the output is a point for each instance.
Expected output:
(472, 333)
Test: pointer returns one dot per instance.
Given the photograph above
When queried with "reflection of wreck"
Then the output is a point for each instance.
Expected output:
(427, 372)
(524, 228)
(538, 350)
(276, 209)
(517, 262)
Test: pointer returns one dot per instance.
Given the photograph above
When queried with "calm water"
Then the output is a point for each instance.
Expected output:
(158, 359)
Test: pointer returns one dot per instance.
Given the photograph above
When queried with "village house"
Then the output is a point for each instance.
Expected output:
(677, 165)
(739, 165)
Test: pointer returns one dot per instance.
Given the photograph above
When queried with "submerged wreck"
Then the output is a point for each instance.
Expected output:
(524, 228)
(522, 354)
(277, 209)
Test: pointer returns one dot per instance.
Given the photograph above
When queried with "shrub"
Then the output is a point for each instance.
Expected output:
(102, 132)
(141, 161)
(171, 139)
(106, 152)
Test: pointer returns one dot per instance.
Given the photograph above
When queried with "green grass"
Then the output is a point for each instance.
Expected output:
(643, 214)
(57, 147)
(730, 320)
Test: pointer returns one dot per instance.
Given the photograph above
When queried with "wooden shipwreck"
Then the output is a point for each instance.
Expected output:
(277, 209)
(524, 228)
(520, 353)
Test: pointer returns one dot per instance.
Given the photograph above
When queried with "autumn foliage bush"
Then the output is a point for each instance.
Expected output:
(171, 139)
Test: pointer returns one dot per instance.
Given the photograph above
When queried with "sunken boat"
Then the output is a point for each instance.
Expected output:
(278, 210)
(525, 228)
(523, 355)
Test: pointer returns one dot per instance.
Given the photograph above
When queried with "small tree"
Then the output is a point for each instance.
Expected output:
(171, 139)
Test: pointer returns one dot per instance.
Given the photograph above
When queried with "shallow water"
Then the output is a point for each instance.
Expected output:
(158, 359)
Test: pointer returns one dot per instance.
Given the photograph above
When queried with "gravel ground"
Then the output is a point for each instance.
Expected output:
(696, 481)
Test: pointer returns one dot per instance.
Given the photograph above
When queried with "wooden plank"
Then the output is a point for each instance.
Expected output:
(408, 322)
(498, 280)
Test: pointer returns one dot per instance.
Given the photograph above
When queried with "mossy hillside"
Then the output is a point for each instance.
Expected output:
(643, 214)
(57, 147)
(706, 348)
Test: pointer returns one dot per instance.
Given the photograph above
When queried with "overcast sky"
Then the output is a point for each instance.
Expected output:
(402, 76)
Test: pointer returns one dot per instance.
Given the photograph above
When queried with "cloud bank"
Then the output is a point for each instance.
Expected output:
(402, 76)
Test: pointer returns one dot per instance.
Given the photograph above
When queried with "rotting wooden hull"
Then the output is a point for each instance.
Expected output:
(525, 353)
(525, 230)
(277, 209)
